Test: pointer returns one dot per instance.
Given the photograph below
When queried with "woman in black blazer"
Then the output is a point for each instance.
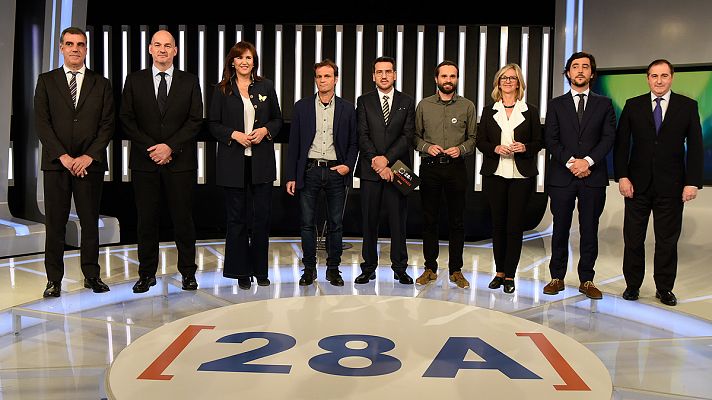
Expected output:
(244, 118)
(509, 138)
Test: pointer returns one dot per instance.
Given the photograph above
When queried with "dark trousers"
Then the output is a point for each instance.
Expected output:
(317, 179)
(59, 187)
(508, 200)
(590, 206)
(177, 190)
(450, 179)
(248, 223)
(667, 224)
(373, 195)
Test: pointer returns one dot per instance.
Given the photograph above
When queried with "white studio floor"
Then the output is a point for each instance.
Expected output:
(64, 346)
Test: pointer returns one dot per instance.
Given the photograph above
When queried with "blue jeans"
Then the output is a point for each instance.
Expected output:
(333, 184)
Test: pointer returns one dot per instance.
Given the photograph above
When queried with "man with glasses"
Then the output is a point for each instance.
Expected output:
(445, 129)
(386, 124)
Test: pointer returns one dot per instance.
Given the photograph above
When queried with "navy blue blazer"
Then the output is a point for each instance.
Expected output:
(303, 131)
(226, 115)
(564, 138)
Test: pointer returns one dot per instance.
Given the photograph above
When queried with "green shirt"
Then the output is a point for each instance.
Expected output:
(447, 124)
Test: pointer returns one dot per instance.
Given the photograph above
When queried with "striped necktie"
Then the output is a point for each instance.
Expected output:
(73, 87)
(386, 109)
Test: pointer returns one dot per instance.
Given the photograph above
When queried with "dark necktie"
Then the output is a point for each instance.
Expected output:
(581, 104)
(386, 109)
(73, 87)
(658, 115)
(162, 93)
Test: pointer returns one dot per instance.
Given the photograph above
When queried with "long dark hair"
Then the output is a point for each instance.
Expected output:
(229, 70)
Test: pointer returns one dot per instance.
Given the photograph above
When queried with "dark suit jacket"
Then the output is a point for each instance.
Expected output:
(564, 138)
(375, 138)
(62, 129)
(144, 125)
(659, 159)
(227, 115)
(528, 131)
(303, 131)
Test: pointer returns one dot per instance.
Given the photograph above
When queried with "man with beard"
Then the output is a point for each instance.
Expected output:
(445, 128)
(579, 132)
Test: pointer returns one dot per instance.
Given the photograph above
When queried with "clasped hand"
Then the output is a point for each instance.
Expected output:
(76, 166)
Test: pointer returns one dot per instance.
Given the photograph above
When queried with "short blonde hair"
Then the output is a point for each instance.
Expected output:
(497, 93)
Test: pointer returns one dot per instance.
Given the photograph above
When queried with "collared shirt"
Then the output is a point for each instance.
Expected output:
(322, 147)
(445, 123)
(80, 78)
(663, 104)
(157, 78)
(575, 94)
(249, 117)
(390, 97)
(507, 168)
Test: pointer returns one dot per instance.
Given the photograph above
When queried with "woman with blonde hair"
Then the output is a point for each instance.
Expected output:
(509, 138)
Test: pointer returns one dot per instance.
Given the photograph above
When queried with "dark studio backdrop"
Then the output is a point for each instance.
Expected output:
(209, 213)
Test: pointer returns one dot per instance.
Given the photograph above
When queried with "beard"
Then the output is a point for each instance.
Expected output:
(580, 84)
(444, 90)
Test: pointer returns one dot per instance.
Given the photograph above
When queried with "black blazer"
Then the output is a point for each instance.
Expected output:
(226, 115)
(375, 138)
(659, 159)
(62, 129)
(143, 124)
(303, 131)
(528, 131)
(565, 138)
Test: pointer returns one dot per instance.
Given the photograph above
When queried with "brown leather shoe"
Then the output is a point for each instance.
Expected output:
(459, 280)
(554, 287)
(590, 290)
(427, 277)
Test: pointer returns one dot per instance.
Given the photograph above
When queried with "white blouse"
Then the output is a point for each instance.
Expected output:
(507, 168)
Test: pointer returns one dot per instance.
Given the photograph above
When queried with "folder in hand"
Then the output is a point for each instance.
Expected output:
(404, 178)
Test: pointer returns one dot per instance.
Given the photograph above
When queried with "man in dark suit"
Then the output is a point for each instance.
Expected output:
(386, 125)
(162, 112)
(654, 174)
(323, 146)
(74, 116)
(579, 132)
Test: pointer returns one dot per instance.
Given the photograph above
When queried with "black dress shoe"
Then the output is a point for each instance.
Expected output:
(53, 289)
(631, 293)
(403, 277)
(189, 282)
(666, 297)
(508, 286)
(308, 277)
(497, 281)
(244, 283)
(96, 285)
(365, 277)
(262, 281)
(144, 283)
(334, 277)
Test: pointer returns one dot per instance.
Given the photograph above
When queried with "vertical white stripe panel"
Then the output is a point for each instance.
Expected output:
(221, 51)
(278, 63)
(201, 64)
(503, 45)
(481, 69)
(339, 53)
(182, 47)
(298, 63)
(399, 56)
(461, 60)
(258, 45)
(524, 64)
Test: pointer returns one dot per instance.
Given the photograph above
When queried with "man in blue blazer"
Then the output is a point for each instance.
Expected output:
(658, 161)
(579, 132)
(322, 156)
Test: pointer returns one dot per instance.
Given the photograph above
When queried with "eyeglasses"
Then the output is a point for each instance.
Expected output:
(508, 78)
(387, 72)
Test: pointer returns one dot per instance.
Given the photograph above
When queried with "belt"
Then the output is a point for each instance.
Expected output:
(313, 162)
(438, 160)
